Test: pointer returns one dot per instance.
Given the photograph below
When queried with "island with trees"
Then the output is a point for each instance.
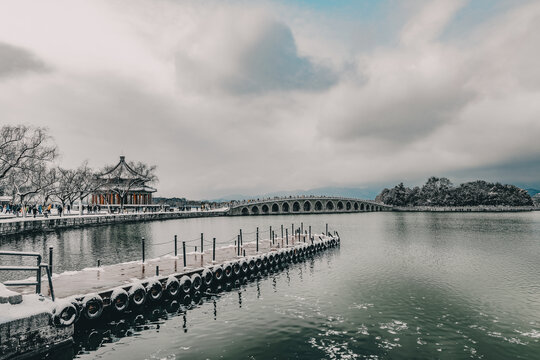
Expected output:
(440, 193)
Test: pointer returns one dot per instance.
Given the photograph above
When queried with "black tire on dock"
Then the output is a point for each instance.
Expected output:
(258, 263)
(227, 269)
(218, 273)
(196, 282)
(120, 300)
(251, 264)
(265, 261)
(236, 269)
(207, 277)
(244, 267)
(154, 290)
(92, 306)
(137, 296)
(65, 314)
(172, 287)
(185, 284)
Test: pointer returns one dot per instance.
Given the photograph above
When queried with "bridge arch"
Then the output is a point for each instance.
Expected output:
(307, 206)
(348, 206)
(356, 206)
(265, 209)
(362, 207)
(245, 211)
(275, 208)
(296, 206)
(340, 205)
(285, 207)
(318, 205)
(329, 205)
(255, 210)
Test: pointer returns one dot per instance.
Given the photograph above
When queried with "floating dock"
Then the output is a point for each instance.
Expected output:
(85, 299)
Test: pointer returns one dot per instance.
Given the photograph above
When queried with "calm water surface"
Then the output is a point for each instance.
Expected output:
(401, 286)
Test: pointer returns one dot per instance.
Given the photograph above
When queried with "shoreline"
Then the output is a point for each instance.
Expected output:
(480, 208)
(16, 226)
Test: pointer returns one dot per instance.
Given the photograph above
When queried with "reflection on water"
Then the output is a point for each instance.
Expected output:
(402, 285)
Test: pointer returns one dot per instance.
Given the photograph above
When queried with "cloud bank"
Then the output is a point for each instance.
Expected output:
(255, 97)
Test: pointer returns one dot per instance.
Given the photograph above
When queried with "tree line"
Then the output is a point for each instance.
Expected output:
(441, 192)
(30, 177)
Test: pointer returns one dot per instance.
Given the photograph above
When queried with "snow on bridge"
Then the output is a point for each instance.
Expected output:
(305, 205)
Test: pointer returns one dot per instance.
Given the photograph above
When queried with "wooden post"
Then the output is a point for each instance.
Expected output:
(157, 270)
(50, 258)
(287, 236)
(257, 241)
(238, 247)
(142, 243)
(184, 252)
(214, 249)
(175, 245)
(202, 243)
(282, 231)
(326, 230)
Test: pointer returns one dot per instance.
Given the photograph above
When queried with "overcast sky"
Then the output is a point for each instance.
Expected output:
(259, 96)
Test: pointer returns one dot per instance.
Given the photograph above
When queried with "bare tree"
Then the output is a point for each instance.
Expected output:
(84, 183)
(22, 147)
(28, 182)
(65, 191)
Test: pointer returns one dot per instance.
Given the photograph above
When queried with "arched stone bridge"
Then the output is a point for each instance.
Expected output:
(305, 205)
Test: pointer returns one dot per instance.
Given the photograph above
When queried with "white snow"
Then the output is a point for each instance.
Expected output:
(31, 305)
(5, 292)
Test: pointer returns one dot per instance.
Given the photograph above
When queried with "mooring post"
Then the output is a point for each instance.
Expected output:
(214, 249)
(244, 253)
(293, 233)
(142, 243)
(202, 243)
(175, 245)
(257, 239)
(302, 227)
(238, 247)
(282, 231)
(309, 232)
(157, 270)
(273, 238)
(50, 257)
(287, 236)
(98, 263)
(326, 230)
(270, 233)
(184, 252)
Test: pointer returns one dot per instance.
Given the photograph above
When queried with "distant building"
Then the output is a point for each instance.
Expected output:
(123, 186)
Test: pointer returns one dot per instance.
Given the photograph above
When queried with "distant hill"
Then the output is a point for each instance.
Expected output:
(359, 193)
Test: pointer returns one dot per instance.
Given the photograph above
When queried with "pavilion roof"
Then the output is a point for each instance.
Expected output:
(123, 171)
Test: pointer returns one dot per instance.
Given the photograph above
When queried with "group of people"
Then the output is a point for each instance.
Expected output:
(44, 210)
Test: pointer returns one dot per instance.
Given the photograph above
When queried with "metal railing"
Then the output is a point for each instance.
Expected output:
(39, 266)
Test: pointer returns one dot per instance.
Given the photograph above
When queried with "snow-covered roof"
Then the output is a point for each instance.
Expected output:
(122, 170)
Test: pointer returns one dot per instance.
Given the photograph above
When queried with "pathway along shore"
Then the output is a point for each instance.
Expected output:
(18, 225)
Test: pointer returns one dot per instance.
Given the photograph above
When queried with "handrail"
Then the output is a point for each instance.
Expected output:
(36, 268)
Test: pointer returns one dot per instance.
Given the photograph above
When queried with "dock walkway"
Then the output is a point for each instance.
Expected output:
(102, 279)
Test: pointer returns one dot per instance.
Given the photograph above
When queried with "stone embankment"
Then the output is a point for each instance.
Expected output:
(464, 208)
(23, 225)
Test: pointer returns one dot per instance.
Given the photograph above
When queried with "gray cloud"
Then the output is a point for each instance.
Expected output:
(267, 62)
(15, 61)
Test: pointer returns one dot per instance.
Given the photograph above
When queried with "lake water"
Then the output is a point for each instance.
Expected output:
(400, 286)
